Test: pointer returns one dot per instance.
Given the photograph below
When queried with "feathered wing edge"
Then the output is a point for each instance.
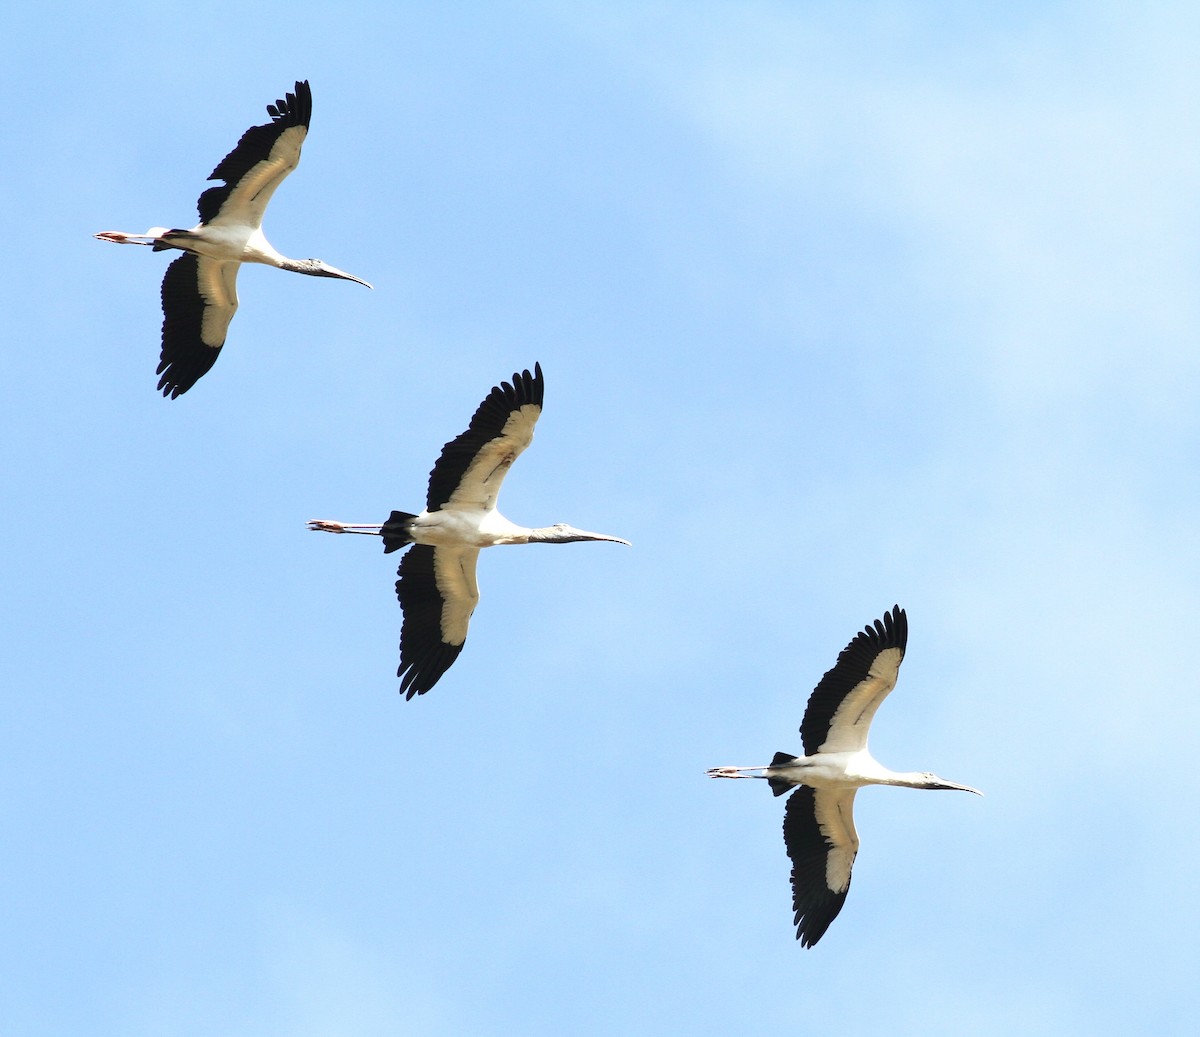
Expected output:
(438, 597)
(186, 357)
(814, 903)
(294, 109)
(853, 666)
(488, 423)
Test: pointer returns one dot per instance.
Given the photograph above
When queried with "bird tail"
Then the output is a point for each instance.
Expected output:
(396, 531)
(161, 244)
(781, 785)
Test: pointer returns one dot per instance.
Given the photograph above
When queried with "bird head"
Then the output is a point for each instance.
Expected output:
(932, 781)
(319, 268)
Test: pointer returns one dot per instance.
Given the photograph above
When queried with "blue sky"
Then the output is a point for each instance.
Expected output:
(838, 306)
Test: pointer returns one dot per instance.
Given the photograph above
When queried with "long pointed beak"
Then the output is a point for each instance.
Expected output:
(333, 271)
(943, 784)
(577, 535)
(604, 536)
(564, 534)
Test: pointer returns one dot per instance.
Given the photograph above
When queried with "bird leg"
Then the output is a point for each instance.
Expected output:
(329, 526)
(734, 772)
(121, 238)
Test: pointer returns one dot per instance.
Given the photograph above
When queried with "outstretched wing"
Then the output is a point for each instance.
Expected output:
(199, 299)
(841, 708)
(471, 467)
(818, 830)
(262, 158)
(438, 593)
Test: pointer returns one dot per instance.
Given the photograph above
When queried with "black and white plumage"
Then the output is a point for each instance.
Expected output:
(818, 823)
(437, 588)
(199, 290)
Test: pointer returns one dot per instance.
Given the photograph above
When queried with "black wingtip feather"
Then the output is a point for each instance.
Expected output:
(814, 904)
(853, 664)
(421, 672)
(294, 109)
(487, 422)
(418, 676)
(184, 358)
(424, 656)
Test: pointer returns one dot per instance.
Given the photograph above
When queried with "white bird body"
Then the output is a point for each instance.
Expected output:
(233, 240)
(227, 242)
(437, 588)
(199, 290)
(462, 527)
(844, 770)
(818, 824)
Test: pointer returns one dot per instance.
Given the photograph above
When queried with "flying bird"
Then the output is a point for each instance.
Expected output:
(437, 588)
(199, 291)
(818, 822)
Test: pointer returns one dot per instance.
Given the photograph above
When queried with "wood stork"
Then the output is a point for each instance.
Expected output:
(818, 822)
(437, 588)
(199, 291)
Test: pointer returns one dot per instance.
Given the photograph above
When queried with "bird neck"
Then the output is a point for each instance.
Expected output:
(908, 779)
(543, 535)
(503, 539)
(863, 766)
